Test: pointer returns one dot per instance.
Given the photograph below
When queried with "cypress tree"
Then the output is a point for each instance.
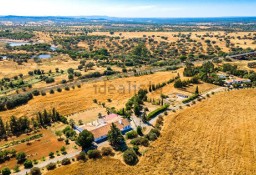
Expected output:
(40, 119)
(197, 90)
(7, 128)
(2, 129)
(150, 88)
(54, 118)
(115, 137)
(14, 125)
(46, 117)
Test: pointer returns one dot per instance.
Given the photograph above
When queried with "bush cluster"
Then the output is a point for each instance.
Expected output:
(140, 141)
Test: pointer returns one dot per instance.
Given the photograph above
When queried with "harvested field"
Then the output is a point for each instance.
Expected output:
(80, 99)
(203, 87)
(216, 136)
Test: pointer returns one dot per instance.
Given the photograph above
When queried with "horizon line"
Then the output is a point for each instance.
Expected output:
(81, 16)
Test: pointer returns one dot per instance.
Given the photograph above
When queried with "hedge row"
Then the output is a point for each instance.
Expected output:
(193, 97)
(34, 137)
(156, 112)
(12, 102)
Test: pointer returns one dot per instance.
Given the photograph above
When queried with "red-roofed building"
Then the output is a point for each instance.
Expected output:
(101, 133)
(101, 127)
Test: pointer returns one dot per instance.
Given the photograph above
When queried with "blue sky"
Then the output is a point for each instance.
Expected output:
(129, 8)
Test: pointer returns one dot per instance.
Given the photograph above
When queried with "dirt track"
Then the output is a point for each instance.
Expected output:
(217, 136)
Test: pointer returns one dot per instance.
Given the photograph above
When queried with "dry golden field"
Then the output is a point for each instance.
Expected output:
(203, 87)
(216, 136)
(43, 37)
(80, 99)
(11, 69)
(243, 65)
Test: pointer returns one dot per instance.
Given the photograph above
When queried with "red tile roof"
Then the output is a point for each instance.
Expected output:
(103, 130)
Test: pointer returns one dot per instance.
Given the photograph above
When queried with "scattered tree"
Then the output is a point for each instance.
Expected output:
(85, 139)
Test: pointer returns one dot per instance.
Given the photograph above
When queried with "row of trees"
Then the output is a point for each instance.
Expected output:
(14, 101)
(136, 102)
(16, 126)
(16, 35)
(181, 84)
(33, 47)
(233, 69)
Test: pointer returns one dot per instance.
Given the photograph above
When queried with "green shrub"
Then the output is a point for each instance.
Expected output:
(28, 164)
(139, 130)
(156, 131)
(63, 81)
(43, 93)
(136, 149)
(193, 97)
(59, 89)
(67, 88)
(130, 157)
(131, 134)
(51, 155)
(35, 171)
(36, 93)
(152, 136)
(35, 162)
(140, 141)
(51, 166)
(81, 156)
(94, 154)
(107, 151)
(49, 80)
(21, 157)
(16, 169)
(65, 161)
(6, 171)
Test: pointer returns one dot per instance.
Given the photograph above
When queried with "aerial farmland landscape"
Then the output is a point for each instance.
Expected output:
(111, 87)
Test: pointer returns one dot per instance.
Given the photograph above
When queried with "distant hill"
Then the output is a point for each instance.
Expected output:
(84, 19)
